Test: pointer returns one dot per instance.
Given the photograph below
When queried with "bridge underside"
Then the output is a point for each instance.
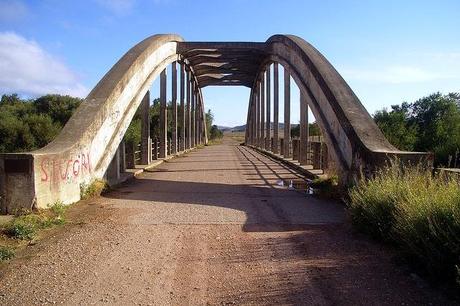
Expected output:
(91, 145)
(225, 63)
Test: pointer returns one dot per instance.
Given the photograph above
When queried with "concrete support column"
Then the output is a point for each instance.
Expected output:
(146, 142)
(251, 119)
(174, 108)
(113, 172)
(200, 119)
(287, 112)
(188, 136)
(262, 111)
(303, 129)
(182, 107)
(268, 120)
(163, 116)
(122, 149)
(275, 148)
(197, 117)
(192, 114)
(257, 102)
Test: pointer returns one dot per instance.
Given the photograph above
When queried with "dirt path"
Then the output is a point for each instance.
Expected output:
(211, 227)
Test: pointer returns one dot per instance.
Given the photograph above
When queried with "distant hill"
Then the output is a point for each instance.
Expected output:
(242, 128)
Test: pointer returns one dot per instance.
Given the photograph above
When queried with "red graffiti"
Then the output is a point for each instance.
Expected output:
(59, 169)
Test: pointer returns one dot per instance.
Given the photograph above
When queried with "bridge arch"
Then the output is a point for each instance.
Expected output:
(85, 148)
(356, 145)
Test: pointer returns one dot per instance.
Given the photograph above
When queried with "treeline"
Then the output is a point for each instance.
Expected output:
(430, 124)
(29, 124)
(133, 134)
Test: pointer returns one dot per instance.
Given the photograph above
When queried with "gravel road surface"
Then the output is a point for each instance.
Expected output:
(209, 228)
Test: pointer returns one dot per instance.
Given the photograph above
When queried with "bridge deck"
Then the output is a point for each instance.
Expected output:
(210, 227)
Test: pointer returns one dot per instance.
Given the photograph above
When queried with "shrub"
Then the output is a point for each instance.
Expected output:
(26, 226)
(93, 189)
(6, 253)
(415, 210)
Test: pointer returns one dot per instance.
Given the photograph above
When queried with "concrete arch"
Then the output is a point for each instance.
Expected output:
(356, 143)
(85, 147)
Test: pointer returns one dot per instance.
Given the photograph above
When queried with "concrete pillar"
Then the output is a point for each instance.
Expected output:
(200, 119)
(303, 129)
(146, 151)
(262, 111)
(174, 108)
(251, 117)
(268, 110)
(192, 114)
(182, 107)
(163, 116)
(122, 150)
(188, 136)
(295, 149)
(287, 112)
(275, 109)
(197, 118)
(257, 117)
(129, 157)
(113, 171)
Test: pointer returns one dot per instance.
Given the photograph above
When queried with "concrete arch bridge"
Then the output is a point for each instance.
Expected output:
(90, 146)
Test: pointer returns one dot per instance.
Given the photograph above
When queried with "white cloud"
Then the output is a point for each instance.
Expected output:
(28, 69)
(119, 7)
(12, 10)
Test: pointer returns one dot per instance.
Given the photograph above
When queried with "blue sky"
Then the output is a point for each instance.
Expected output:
(388, 51)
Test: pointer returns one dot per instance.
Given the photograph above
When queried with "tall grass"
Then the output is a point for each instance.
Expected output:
(415, 210)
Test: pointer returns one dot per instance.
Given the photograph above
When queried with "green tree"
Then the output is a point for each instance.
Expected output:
(59, 108)
(397, 126)
(431, 123)
(215, 133)
(313, 130)
(27, 125)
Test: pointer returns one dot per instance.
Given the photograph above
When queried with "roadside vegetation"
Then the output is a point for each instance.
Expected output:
(94, 189)
(417, 212)
(6, 253)
(25, 227)
(430, 124)
(29, 124)
(410, 207)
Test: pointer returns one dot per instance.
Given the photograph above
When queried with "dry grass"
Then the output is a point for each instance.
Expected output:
(418, 212)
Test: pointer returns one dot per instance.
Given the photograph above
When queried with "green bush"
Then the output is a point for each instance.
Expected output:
(26, 226)
(418, 212)
(6, 253)
(93, 189)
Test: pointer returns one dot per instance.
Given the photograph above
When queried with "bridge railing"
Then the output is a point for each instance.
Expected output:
(316, 151)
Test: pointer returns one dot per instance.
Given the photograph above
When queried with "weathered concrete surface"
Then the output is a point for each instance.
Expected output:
(86, 145)
(356, 145)
(211, 227)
